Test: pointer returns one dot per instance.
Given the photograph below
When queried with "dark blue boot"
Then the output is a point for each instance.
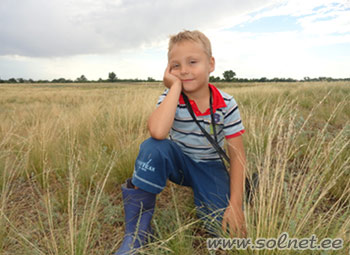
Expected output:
(138, 209)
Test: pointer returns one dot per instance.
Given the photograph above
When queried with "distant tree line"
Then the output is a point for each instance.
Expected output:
(228, 76)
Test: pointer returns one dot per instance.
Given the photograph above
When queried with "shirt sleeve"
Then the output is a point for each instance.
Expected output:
(162, 96)
(232, 120)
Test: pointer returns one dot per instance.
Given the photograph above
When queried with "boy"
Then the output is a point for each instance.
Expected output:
(187, 158)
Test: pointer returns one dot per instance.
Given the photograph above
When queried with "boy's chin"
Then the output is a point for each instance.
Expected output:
(190, 88)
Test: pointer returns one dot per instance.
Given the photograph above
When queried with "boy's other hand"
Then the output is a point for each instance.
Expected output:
(169, 79)
(234, 217)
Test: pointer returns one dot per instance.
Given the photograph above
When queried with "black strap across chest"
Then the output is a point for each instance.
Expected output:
(214, 142)
(250, 186)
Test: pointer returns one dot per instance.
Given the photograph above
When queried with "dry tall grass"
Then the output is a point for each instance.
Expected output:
(64, 150)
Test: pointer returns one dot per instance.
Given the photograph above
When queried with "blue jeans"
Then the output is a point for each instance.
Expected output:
(159, 160)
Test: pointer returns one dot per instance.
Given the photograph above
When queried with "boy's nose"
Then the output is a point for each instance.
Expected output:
(184, 70)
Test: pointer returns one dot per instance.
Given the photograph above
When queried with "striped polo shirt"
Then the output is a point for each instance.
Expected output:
(188, 135)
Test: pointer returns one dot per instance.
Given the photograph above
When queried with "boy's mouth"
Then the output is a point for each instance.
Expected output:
(187, 80)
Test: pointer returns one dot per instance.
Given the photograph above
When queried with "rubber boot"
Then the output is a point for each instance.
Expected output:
(138, 209)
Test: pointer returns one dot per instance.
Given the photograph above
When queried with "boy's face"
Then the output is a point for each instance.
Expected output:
(189, 62)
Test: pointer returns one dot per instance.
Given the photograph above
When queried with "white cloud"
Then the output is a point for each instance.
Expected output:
(315, 16)
(327, 23)
(64, 27)
(301, 7)
(295, 53)
(69, 38)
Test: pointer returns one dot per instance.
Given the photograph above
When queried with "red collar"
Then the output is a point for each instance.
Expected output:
(218, 102)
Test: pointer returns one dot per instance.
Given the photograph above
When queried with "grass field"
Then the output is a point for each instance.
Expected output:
(65, 150)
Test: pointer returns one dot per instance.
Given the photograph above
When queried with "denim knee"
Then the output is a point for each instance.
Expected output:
(154, 144)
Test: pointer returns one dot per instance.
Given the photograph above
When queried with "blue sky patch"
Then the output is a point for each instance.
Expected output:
(334, 51)
(269, 25)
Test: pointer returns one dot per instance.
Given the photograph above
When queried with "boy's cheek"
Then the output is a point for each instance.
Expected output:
(174, 73)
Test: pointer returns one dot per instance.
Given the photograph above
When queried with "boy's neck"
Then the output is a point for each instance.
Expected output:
(200, 96)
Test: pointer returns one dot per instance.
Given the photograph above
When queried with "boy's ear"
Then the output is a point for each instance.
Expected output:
(212, 64)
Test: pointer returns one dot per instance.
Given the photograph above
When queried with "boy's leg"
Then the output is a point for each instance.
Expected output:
(158, 161)
(211, 188)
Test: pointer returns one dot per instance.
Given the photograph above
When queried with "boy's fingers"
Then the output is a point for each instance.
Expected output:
(236, 229)
(168, 69)
(233, 230)
(241, 232)
(244, 233)
(224, 224)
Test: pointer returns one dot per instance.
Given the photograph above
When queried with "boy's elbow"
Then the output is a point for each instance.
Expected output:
(156, 132)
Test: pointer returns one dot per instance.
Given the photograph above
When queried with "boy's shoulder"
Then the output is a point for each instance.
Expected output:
(227, 98)
(224, 95)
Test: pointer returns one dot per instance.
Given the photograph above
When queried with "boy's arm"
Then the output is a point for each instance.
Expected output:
(237, 169)
(161, 119)
(234, 215)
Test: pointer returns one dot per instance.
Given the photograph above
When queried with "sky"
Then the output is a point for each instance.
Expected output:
(48, 39)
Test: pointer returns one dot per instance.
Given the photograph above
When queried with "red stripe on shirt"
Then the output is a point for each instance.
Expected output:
(235, 134)
(218, 102)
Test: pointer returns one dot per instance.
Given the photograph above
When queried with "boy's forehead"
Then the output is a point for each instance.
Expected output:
(191, 47)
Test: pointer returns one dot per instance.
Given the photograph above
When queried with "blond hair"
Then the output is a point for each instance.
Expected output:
(195, 36)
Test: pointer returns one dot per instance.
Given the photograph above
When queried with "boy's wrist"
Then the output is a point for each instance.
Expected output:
(171, 83)
(235, 201)
(176, 84)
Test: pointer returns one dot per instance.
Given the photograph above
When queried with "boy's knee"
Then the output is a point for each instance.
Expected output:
(152, 156)
(154, 144)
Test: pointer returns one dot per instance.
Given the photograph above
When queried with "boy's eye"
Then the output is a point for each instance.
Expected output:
(193, 61)
(175, 66)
